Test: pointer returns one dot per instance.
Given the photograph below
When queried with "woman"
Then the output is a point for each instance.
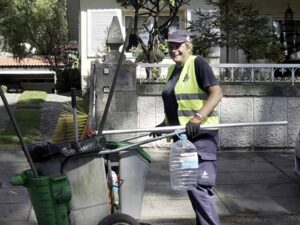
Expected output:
(190, 96)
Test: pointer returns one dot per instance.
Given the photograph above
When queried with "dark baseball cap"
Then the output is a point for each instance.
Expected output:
(179, 36)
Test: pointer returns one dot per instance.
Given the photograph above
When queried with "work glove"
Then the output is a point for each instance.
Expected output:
(158, 133)
(192, 129)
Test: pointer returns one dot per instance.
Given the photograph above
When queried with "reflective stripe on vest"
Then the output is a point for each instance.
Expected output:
(190, 97)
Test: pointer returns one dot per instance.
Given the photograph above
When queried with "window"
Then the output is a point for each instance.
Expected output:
(98, 22)
(288, 32)
(145, 23)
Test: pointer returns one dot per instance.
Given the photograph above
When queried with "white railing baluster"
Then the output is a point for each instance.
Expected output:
(293, 76)
(229, 72)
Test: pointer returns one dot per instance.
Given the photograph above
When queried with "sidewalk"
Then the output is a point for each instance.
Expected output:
(11, 99)
(252, 188)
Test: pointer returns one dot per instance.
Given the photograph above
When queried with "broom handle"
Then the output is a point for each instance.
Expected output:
(181, 129)
(167, 129)
(74, 107)
(18, 131)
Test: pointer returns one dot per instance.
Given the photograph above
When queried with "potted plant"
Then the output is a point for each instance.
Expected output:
(264, 52)
(274, 52)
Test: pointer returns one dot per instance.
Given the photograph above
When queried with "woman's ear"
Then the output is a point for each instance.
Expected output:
(189, 46)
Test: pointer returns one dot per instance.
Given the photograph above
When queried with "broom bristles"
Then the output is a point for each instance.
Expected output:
(64, 131)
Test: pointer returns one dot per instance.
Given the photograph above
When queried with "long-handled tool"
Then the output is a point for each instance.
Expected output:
(18, 131)
(167, 129)
(178, 130)
(74, 109)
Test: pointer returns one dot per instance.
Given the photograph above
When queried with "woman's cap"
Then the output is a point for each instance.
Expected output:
(179, 36)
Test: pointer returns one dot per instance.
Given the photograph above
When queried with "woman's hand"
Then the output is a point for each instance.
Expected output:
(158, 133)
(193, 126)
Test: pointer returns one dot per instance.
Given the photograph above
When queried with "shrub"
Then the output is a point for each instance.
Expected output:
(4, 88)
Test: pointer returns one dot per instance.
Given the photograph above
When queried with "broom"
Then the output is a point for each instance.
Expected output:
(64, 131)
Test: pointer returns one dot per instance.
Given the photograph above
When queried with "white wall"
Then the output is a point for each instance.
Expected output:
(240, 110)
(95, 19)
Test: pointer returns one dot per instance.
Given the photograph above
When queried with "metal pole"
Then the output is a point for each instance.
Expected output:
(178, 130)
(204, 127)
(135, 137)
(18, 131)
(141, 142)
(74, 107)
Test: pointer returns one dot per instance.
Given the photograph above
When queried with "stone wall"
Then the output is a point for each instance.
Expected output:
(240, 104)
(121, 81)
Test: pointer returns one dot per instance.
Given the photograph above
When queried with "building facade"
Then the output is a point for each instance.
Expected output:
(90, 19)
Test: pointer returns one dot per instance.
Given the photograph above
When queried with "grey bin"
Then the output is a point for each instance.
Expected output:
(87, 179)
(86, 175)
(133, 169)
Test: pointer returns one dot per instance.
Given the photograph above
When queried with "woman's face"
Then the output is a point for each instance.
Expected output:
(179, 52)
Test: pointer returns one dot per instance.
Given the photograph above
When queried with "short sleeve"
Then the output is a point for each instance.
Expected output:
(204, 74)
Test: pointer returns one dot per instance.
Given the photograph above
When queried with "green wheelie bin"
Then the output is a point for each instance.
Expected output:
(49, 195)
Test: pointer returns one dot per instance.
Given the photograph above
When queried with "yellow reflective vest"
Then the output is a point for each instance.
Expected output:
(190, 97)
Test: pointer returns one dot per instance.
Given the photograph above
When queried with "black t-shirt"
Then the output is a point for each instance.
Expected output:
(205, 78)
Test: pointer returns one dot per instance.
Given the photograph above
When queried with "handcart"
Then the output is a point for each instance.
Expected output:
(87, 177)
(71, 183)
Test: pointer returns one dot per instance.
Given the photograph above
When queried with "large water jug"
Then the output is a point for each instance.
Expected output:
(183, 164)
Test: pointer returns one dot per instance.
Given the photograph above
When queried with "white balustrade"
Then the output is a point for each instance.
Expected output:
(231, 73)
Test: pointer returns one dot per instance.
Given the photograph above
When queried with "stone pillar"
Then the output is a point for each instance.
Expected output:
(123, 108)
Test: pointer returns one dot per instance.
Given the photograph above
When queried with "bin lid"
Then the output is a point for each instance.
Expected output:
(119, 144)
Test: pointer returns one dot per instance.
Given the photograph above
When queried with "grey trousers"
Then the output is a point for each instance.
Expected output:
(202, 196)
(204, 205)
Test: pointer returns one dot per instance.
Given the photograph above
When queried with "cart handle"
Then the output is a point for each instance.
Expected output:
(168, 129)
(182, 130)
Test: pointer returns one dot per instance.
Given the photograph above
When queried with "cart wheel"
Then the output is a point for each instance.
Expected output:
(118, 219)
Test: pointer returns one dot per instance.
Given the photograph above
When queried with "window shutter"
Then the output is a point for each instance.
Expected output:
(98, 23)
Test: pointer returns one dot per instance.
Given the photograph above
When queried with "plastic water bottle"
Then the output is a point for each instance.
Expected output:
(183, 164)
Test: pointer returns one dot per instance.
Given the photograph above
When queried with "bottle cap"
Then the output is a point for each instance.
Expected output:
(183, 136)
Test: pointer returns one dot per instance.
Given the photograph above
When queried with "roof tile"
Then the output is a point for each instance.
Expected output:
(36, 61)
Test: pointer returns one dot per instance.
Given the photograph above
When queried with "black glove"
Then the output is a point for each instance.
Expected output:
(158, 133)
(192, 129)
